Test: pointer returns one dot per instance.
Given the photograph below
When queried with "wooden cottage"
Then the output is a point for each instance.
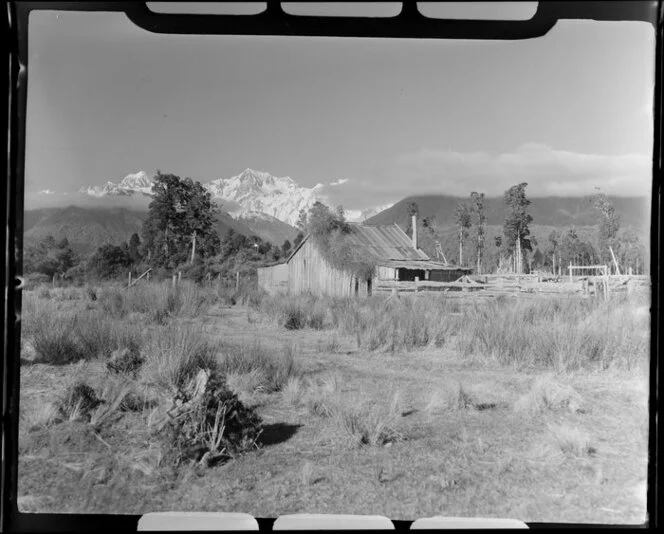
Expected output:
(396, 256)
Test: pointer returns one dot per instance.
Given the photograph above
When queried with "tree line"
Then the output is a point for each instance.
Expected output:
(178, 234)
(517, 250)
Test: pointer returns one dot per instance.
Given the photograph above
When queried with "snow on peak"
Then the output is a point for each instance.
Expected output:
(259, 191)
(251, 191)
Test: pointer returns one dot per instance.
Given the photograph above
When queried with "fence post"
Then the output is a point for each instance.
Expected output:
(570, 272)
(148, 276)
(179, 276)
(175, 280)
(129, 283)
(237, 281)
(417, 281)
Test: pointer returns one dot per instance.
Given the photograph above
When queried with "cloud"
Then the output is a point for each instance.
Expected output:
(548, 172)
(340, 181)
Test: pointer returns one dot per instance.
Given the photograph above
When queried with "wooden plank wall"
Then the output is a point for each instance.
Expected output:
(308, 271)
(273, 279)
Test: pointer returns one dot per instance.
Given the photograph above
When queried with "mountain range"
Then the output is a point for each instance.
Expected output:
(256, 203)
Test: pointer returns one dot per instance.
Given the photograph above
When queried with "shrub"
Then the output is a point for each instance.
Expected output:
(294, 317)
(211, 426)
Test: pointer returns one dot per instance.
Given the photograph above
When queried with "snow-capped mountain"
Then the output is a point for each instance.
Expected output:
(130, 184)
(251, 195)
(256, 191)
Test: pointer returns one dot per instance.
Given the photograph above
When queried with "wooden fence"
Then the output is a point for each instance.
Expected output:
(511, 285)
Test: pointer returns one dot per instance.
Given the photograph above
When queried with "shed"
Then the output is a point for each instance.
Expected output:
(396, 256)
(273, 279)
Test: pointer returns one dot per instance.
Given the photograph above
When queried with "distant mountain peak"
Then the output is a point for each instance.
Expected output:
(260, 191)
(250, 192)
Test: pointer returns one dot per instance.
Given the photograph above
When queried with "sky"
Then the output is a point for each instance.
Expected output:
(374, 120)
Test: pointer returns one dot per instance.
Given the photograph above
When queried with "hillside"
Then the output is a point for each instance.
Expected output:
(559, 212)
(88, 228)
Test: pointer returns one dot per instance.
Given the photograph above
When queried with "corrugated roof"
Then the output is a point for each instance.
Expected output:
(383, 243)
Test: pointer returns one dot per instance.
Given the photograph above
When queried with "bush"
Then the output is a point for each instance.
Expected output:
(294, 317)
(211, 424)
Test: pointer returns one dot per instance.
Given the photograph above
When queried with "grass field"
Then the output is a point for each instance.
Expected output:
(535, 411)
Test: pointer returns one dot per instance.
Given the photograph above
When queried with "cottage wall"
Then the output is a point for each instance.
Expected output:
(274, 279)
(308, 271)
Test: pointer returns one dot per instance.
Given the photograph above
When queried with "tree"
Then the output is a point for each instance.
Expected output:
(134, 248)
(554, 239)
(463, 222)
(477, 209)
(516, 225)
(181, 211)
(298, 239)
(285, 248)
(609, 225)
(49, 257)
(320, 220)
(110, 260)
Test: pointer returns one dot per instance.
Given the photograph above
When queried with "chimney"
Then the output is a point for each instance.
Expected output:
(414, 226)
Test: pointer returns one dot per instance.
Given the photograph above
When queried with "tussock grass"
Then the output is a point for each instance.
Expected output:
(373, 425)
(571, 441)
(295, 312)
(247, 385)
(158, 301)
(546, 393)
(174, 355)
(452, 398)
(39, 416)
(276, 365)
(564, 334)
(318, 395)
(60, 337)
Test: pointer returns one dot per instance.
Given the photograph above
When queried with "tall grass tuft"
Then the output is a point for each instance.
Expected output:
(276, 365)
(373, 425)
(174, 355)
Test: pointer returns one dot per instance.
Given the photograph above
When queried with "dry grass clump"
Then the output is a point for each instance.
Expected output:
(276, 365)
(572, 441)
(296, 312)
(373, 425)
(78, 403)
(247, 385)
(173, 355)
(158, 301)
(452, 398)
(318, 395)
(39, 415)
(546, 393)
